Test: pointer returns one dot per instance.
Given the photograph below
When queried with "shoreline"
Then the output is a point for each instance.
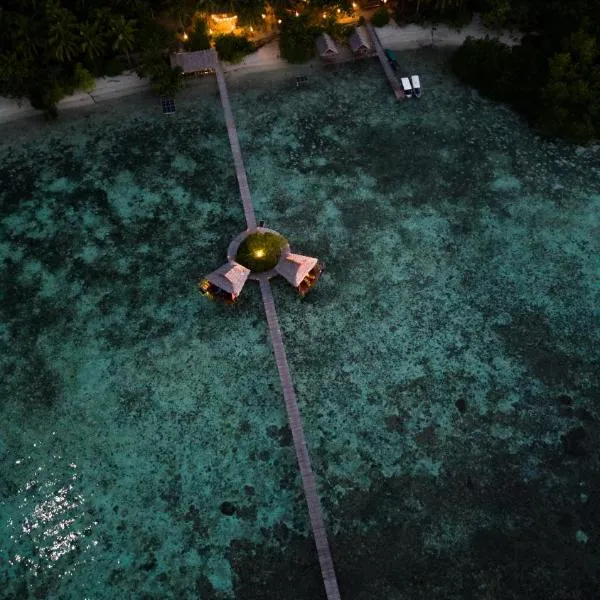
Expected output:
(398, 38)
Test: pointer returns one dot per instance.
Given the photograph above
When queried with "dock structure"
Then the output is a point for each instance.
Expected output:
(308, 478)
(389, 72)
(234, 142)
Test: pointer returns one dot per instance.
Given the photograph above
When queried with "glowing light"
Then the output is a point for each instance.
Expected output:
(324, 15)
(259, 253)
(185, 36)
(251, 28)
(263, 16)
(279, 21)
(339, 10)
(210, 31)
(221, 18)
(297, 14)
(354, 5)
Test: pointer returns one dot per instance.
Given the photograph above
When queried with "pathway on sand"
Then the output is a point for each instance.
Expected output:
(308, 478)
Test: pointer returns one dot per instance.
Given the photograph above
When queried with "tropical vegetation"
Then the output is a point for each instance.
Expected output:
(553, 76)
(50, 48)
(381, 17)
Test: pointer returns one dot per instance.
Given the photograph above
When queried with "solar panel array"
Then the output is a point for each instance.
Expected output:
(168, 105)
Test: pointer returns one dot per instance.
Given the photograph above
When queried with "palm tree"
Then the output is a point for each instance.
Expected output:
(24, 40)
(62, 32)
(124, 31)
(92, 42)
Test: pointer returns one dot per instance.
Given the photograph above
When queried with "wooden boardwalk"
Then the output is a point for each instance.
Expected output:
(295, 420)
(308, 478)
(385, 63)
(234, 142)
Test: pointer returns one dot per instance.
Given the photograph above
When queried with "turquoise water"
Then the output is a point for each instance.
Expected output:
(446, 365)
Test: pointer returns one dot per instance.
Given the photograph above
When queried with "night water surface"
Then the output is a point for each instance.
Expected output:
(447, 365)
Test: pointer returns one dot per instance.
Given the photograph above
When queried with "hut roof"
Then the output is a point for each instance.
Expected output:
(326, 46)
(359, 39)
(192, 62)
(295, 267)
(231, 277)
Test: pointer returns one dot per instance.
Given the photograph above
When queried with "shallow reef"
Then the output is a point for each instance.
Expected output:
(446, 364)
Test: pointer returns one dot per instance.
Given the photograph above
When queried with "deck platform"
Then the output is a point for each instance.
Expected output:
(389, 72)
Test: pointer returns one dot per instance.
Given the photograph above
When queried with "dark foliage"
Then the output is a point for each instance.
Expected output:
(296, 41)
(553, 76)
(380, 17)
(233, 48)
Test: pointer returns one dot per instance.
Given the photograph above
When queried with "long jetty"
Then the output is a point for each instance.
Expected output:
(234, 142)
(315, 512)
(308, 477)
(385, 63)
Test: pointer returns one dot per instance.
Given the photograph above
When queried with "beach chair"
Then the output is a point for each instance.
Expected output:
(408, 92)
(168, 105)
(416, 85)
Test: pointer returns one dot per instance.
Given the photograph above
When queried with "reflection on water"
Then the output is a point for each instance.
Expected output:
(50, 520)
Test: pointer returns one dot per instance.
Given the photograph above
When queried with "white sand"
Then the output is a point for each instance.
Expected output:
(265, 59)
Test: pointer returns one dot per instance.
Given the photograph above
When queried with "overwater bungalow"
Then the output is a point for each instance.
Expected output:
(326, 47)
(226, 283)
(301, 271)
(195, 63)
(359, 42)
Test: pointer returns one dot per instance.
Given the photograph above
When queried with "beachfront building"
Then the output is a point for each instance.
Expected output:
(359, 42)
(200, 62)
(221, 24)
(226, 283)
(326, 48)
(301, 271)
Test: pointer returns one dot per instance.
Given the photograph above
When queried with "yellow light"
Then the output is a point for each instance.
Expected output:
(354, 5)
(263, 16)
(324, 15)
(339, 10)
(251, 28)
(185, 36)
(297, 14)
(279, 21)
(259, 253)
(210, 31)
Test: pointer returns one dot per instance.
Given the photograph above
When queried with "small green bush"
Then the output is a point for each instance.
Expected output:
(381, 17)
(260, 252)
(83, 79)
(167, 81)
(233, 48)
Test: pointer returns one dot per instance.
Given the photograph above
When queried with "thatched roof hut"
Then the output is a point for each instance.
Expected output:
(226, 282)
(295, 267)
(200, 61)
(326, 47)
(359, 42)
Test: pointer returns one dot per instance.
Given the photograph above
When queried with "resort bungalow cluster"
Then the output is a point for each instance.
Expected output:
(225, 284)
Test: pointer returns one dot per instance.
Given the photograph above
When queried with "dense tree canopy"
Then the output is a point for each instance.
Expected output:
(553, 76)
(50, 48)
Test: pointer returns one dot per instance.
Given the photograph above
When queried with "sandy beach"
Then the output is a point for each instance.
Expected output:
(267, 58)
